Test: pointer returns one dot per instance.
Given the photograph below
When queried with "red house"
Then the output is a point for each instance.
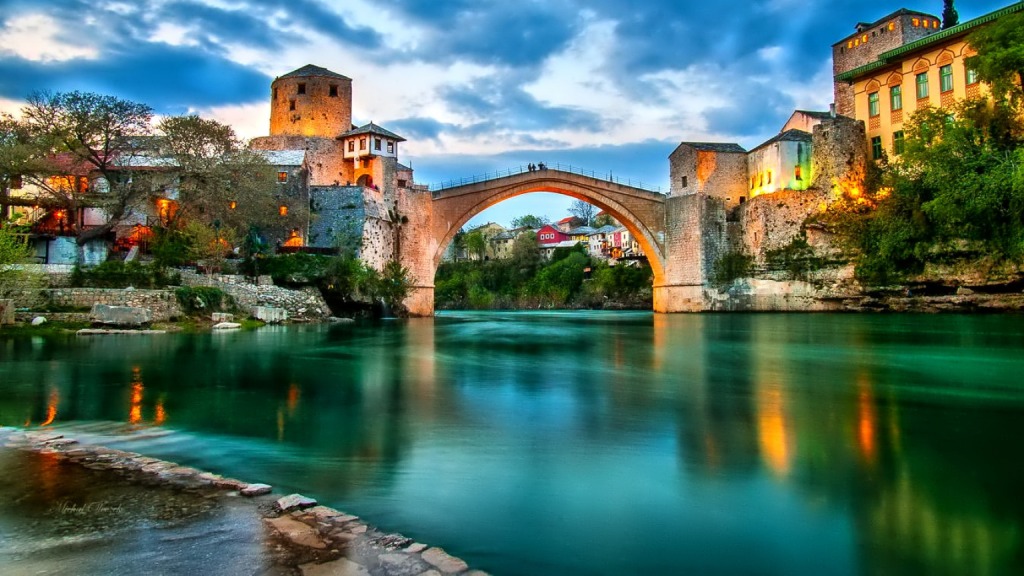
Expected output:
(549, 235)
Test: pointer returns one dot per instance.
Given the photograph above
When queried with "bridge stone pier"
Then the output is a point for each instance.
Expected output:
(682, 236)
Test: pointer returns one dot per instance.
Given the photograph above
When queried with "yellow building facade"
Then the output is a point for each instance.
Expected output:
(929, 71)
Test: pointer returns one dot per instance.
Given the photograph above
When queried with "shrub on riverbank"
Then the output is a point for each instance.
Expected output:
(559, 283)
(202, 300)
(116, 274)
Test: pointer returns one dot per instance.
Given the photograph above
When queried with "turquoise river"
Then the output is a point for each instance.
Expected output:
(591, 443)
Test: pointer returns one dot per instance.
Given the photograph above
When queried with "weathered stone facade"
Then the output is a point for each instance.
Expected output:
(840, 156)
(863, 47)
(310, 101)
(772, 221)
(304, 304)
(162, 303)
(717, 170)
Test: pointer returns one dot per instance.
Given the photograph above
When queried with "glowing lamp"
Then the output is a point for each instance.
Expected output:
(282, 210)
(232, 205)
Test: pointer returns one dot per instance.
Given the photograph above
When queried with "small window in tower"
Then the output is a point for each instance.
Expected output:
(685, 183)
(282, 210)
(362, 143)
(916, 22)
(302, 87)
(376, 144)
(403, 183)
(769, 176)
(926, 23)
(282, 177)
(291, 104)
(864, 39)
(892, 26)
(849, 44)
(275, 93)
(391, 147)
(333, 91)
(743, 199)
(798, 172)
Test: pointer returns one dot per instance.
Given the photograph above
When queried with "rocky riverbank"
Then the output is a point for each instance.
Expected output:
(266, 533)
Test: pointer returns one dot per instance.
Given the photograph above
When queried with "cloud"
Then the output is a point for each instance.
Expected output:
(170, 79)
(501, 101)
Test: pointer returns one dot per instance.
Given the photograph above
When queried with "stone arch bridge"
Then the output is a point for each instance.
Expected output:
(681, 235)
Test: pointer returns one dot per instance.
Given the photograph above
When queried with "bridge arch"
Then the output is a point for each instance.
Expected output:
(640, 211)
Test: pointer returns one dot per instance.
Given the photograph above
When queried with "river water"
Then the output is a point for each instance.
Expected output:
(591, 443)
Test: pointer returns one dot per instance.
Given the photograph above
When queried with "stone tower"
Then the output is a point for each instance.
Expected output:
(311, 102)
(864, 46)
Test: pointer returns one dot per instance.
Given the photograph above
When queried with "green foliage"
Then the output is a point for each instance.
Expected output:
(202, 300)
(529, 221)
(524, 281)
(797, 259)
(1000, 58)
(731, 266)
(169, 247)
(475, 243)
(347, 282)
(117, 274)
(291, 269)
(14, 280)
(960, 178)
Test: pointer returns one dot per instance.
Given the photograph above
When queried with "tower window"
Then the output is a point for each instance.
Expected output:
(302, 87)
(376, 144)
(798, 172)
(275, 93)
(291, 104)
(282, 177)
(876, 147)
(946, 78)
(684, 182)
(922, 85)
(332, 91)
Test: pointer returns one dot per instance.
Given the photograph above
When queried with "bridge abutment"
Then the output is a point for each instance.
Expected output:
(695, 238)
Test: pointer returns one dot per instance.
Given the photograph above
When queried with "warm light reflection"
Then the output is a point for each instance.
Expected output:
(294, 393)
(135, 411)
(51, 407)
(773, 430)
(867, 419)
(161, 413)
(280, 424)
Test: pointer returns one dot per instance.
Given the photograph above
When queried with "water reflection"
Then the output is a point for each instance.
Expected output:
(865, 444)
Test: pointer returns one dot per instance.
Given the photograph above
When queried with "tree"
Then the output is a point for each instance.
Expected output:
(950, 17)
(476, 244)
(583, 211)
(604, 219)
(14, 280)
(1000, 58)
(530, 221)
(84, 146)
(220, 180)
(15, 153)
(525, 256)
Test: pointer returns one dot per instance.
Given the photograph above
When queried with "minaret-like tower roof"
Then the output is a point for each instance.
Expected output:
(311, 70)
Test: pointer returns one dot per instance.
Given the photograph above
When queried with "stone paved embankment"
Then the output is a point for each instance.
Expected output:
(302, 537)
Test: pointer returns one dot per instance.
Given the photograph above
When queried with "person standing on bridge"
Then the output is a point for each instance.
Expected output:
(541, 166)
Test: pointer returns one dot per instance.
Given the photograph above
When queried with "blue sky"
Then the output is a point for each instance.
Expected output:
(474, 85)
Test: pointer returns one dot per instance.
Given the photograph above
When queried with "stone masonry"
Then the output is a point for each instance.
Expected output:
(304, 304)
(162, 303)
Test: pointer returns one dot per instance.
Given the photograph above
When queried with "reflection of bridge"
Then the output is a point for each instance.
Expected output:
(679, 234)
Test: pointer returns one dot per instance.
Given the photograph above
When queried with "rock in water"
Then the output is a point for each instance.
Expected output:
(295, 502)
(256, 490)
(38, 321)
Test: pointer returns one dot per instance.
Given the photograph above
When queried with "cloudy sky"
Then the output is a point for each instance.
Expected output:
(474, 85)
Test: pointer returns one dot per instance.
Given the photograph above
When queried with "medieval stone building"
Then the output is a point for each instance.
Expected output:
(353, 174)
(899, 64)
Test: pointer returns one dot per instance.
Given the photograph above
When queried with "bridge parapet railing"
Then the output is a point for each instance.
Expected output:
(568, 168)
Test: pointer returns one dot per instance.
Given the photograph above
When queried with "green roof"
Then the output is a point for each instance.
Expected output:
(890, 57)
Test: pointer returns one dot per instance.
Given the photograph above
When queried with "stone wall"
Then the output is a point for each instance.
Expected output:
(719, 174)
(772, 221)
(840, 155)
(162, 303)
(355, 218)
(314, 112)
(695, 237)
(304, 304)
